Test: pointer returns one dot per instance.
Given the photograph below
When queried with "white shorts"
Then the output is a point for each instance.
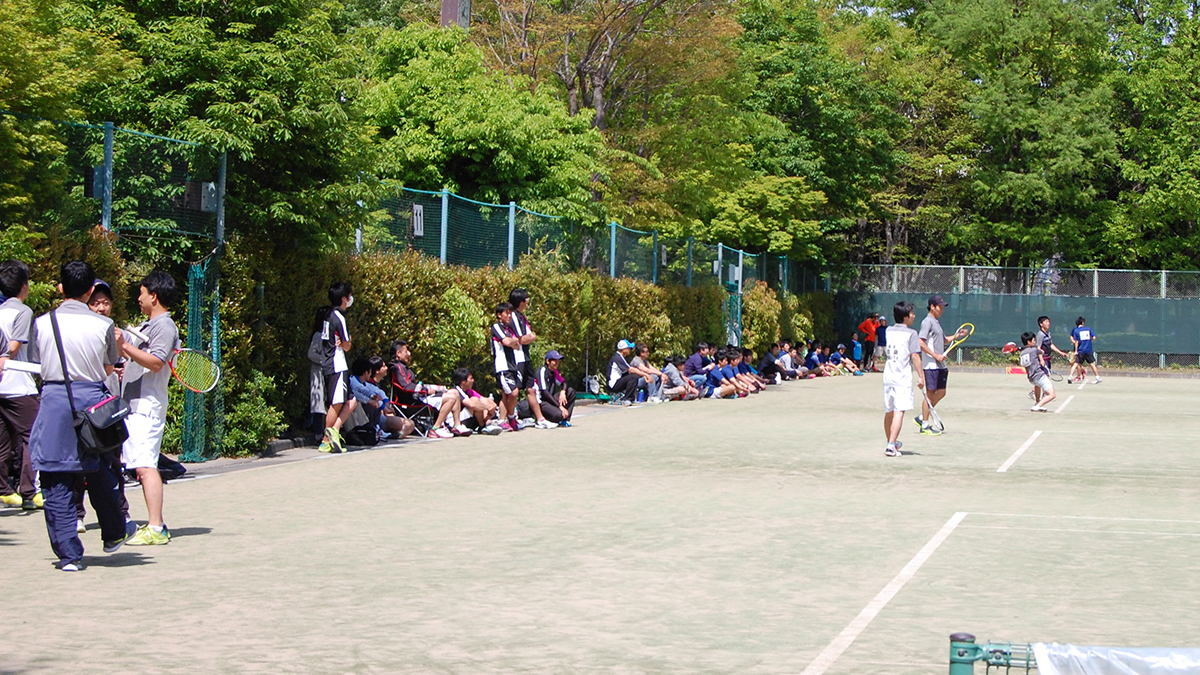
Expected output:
(141, 449)
(897, 399)
(1044, 382)
(434, 402)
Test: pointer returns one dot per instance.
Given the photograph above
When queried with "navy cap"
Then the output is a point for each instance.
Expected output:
(937, 300)
(553, 355)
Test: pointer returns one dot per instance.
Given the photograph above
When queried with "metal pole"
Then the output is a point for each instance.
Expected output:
(654, 266)
(1095, 283)
(612, 249)
(512, 231)
(962, 279)
(221, 199)
(720, 265)
(689, 261)
(107, 195)
(445, 223)
(963, 653)
(741, 261)
(1162, 312)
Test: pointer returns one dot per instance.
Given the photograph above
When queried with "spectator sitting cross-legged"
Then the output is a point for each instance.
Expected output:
(678, 387)
(840, 360)
(720, 379)
(555, 399)
(741, 374)
(769, 367)
(699, 364)
(747, 368)
(814, 362)
(478, 410)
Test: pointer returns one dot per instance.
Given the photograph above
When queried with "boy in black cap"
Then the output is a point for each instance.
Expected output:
(933, 360)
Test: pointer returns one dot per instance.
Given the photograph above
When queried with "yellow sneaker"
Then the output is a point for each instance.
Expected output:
(13, 500)
(38, 500)
(148, 537)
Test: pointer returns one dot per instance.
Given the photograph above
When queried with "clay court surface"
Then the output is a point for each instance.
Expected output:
(710, 537)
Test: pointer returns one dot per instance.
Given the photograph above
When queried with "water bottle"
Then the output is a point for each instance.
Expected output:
(641, 396)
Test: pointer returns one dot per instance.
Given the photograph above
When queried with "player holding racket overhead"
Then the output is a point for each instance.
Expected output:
(933, 361)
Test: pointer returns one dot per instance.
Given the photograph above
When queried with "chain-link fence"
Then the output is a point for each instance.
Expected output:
(165, 199)
(1142, 318)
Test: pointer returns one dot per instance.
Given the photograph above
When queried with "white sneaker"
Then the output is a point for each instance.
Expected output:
(546, 424)
(525, 423)
(79, 526)
(441, 432)
(899, 444)
(1032, 396)
(892, 451)
(491, 430)
(1096, 381)
(1038, 408)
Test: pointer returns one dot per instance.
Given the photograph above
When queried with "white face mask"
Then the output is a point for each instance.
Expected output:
(349, 302)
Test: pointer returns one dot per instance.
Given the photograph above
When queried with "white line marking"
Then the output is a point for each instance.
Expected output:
(1067, 529)
(1020, 451)
(864, 618)
(1083, 385)
(1040, 515)
(1064, 404)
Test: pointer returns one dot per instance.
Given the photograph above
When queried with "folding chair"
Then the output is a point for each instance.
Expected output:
(420, 413)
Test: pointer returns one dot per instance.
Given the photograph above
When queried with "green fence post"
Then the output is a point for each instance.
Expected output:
(741, 269)
(107, 195)
(963, 653)
(612, 249)
(654, 252)
(221, 200)
(689, 261)
(445, 222)
(512, 231)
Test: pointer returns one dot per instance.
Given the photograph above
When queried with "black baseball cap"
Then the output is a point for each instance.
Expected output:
(102, 285)
(937, 300)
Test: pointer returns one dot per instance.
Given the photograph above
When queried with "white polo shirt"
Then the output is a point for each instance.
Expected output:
(87, 341)
(16, 322)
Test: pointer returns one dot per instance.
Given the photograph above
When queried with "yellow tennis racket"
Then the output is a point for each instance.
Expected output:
(964, 331)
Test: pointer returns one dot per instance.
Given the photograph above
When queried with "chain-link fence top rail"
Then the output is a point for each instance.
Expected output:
(1131, 311)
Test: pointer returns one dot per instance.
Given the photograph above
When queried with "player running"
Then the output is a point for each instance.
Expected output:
(1034, 362)
(1045, 343)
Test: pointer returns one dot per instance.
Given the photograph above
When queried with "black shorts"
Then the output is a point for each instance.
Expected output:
(935, 380)
(509, 381)
(528, 381)
(1081, 358)
(337, 388)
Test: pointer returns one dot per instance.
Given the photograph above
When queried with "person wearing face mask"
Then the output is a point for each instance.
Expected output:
(335, 342)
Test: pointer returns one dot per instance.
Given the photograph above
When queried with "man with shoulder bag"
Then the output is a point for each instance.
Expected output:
(77, 350)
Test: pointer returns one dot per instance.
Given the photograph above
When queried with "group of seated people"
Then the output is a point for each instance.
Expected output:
(717, 372)
(437, 411)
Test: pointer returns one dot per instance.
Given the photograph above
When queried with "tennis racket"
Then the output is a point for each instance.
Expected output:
(962, 337)
(935, 421)
(1054, 375)
(194, 369)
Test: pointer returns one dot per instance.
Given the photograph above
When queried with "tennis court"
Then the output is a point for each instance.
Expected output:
(767, 535)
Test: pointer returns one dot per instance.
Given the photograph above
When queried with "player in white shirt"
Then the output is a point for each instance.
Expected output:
(903, 359)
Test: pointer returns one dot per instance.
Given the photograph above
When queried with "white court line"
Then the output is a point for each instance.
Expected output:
(1064, 404)
(868, 613)
(1067, 529)
(1083, 385)
(1130, 520)
(1020, 451)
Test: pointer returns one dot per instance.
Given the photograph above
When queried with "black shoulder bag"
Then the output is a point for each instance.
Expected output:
(100, 428)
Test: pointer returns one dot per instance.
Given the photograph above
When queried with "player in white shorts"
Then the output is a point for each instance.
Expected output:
(903, 358)
(144, 387)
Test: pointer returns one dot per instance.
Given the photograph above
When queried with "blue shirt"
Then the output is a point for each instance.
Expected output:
(835, 358)
(364, 391)
(857, 349)
(728, 373)
(812, 361)
(714, 378)
(743, 368)
(1084, 336)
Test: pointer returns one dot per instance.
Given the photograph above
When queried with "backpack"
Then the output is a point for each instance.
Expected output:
(364, 435)
(316, 349)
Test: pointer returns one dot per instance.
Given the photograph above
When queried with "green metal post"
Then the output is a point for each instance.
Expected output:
(963, 654)
(221, 199)
(512, 231)
(689, 261)
(445, 222)
(612, 249)
(106, 197)
(654, 252)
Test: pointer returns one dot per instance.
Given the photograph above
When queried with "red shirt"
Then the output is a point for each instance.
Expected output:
(867, 328)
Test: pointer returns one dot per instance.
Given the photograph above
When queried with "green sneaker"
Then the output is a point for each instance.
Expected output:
(335, 439)
(148, 537)
(930, 431)
(325, 446)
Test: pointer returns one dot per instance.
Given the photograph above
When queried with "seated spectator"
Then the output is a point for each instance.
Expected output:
(408, 391)
(841, 361)
(699, 364)
(720, 383)
(554, 397)
(476, 410)
(816, 362)
(677, 387)
(653, 376)
(798, 363)
(622, 383)
(769, 366)
(741, 367)
(373, 401)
